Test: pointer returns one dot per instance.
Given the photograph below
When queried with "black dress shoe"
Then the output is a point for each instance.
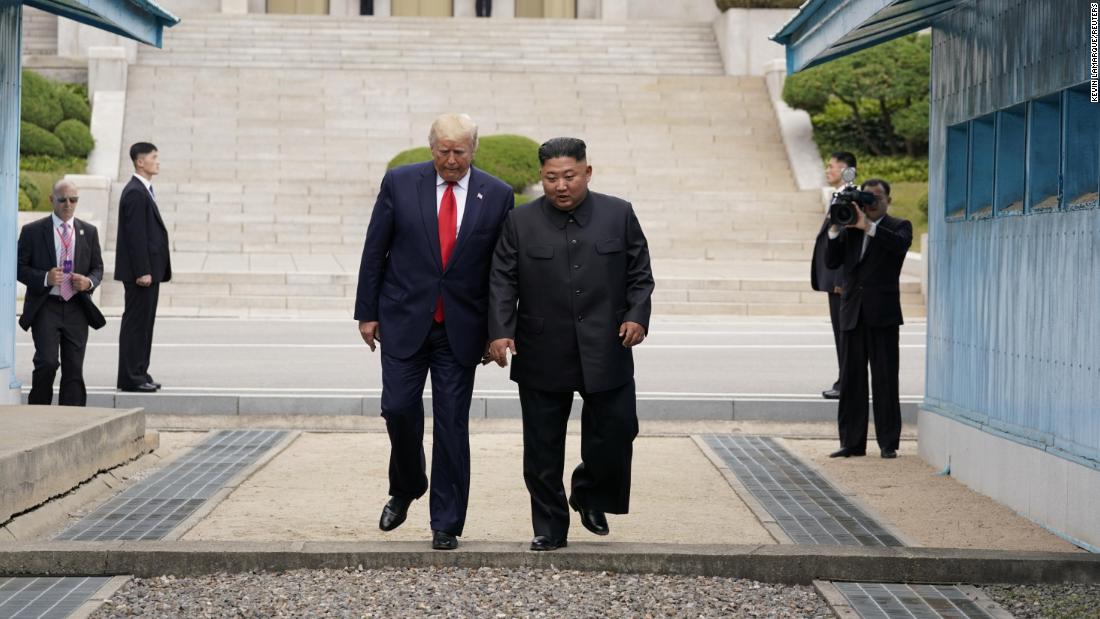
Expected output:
(847, 452)
(594, 521)
(889, 453)
(156, 384)
(542, 543)
(443, 541)
(831, 394)
(394, 513)
(142, 388)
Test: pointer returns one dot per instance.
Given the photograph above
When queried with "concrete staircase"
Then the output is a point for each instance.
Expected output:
(39, 33)
(274, 134)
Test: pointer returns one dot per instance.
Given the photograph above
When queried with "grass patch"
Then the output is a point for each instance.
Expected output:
(906, 196)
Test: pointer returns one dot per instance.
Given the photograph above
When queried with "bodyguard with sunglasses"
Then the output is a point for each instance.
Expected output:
(61, 264)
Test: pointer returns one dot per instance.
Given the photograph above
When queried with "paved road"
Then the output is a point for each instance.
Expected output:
(731, 357)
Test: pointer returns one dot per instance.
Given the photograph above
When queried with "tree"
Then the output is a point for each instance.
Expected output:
(874, 101)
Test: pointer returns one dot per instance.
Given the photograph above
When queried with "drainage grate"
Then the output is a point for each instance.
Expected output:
(153, 507)
(46, 597)
(879, 600)
(808, 508)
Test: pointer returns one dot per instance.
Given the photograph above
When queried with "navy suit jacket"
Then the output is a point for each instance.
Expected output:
(401, 274)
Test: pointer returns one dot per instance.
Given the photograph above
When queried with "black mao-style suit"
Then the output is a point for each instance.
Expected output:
(141, 249)
(560, 286)
(60, 328)
(870, 314)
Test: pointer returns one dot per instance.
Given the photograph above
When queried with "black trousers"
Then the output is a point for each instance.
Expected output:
(135, 334)
(609, 424)
(838, 341)
(60, 333)
(879, 347)
(484, 8)
(403, 410)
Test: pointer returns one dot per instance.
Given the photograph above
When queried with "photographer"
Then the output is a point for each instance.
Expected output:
(870, 247)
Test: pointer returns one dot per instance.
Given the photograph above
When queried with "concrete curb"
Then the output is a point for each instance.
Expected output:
(481, 407)
(778, 563)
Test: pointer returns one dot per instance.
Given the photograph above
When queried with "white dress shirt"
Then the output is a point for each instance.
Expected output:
(460, 196)
(148, 185)
(872, 227)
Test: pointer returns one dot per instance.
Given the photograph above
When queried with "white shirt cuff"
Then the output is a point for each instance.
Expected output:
(833, 233)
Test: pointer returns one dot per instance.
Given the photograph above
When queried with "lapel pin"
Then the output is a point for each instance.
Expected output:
(81, 233)
(479, 196)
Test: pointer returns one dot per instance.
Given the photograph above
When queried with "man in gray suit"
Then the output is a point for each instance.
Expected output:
(569, 296)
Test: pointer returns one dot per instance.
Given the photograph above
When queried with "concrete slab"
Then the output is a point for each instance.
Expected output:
(48, 450)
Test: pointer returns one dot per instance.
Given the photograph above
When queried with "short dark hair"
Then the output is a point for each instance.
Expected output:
(563, 147)
(872, 182)
(843, 156)
(139, 149)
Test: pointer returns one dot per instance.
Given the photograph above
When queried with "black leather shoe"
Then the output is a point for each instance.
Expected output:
(889, 453)
(847, 452)
(394, 513)
(142, 388)
(541, 543)
(443, 541)
(592, 520)
(156, 384)
(831, 394)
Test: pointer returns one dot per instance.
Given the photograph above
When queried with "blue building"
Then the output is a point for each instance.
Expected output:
(141, 20)
(1012, 402)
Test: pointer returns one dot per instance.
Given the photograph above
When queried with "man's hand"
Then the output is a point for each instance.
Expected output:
(369, 330)
(631, 333)
(54, 276)
(486, 356)
(499, 349)
(145, 281)
(861, 219)
(81, 283)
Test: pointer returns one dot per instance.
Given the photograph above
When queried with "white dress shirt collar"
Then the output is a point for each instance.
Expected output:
(463, 183)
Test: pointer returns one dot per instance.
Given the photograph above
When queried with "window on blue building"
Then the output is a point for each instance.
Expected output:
(982, 160)
(1008, 196)
(1044, 150)
(1081, 175)
(955, 172)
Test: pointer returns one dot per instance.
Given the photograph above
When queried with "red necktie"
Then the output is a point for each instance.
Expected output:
(448, 230)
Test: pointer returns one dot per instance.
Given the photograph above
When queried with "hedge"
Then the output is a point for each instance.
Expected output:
(511, 158)
(25, 203)
(34, 140)
(40, 104)
(76, 137)
(74, 106)
(30, 189)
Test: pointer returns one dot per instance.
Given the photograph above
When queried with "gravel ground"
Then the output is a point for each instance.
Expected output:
(1047, 601)
(449, 592)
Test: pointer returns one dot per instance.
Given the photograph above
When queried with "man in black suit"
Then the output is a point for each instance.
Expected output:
(576, 264)
(484, 8)
(871, 252)
(824, 279)
(61, 264)
(142, 262)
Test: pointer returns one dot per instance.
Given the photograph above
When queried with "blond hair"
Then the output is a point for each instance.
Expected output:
(453, 127)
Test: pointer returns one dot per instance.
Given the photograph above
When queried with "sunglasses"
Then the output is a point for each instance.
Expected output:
(70, 199)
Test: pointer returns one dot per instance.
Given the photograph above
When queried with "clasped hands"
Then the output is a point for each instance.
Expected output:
(56, 275)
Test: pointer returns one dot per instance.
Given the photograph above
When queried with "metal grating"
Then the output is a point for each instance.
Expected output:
(46, 597)
(807, 507)
(886, 601)
(153, 507)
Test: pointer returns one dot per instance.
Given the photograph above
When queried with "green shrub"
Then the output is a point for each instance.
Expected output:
(34, 140)
(922, 205)
(29, 188)
(757, 4)
(39, 186)
(60, 165)
(511, 158)
(40, 103)
(74, 106)
(893, 169)
(25, 203)
(522, 199)
(76, 137)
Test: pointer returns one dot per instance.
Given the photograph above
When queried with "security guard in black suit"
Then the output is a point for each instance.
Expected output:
(577, 265)
(871, 252)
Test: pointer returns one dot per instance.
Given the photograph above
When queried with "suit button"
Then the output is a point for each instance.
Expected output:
(580, 318)
(578, 292)
(576, 266)
(573, 242)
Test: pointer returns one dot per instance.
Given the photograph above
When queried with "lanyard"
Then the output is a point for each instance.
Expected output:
(67, 245)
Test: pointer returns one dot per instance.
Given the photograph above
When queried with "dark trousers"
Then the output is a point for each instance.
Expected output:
(879, 347)
(403, 410)
(60, 328)
(609, 423)
(135, 334)
(484, 8)
(838, 341)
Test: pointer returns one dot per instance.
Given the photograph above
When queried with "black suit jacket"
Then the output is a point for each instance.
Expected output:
(562, 290)
(38, 254)
(822, 278)
(871, 293)
(141, 246)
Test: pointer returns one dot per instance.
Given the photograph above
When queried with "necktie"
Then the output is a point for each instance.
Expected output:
(66, 287)
(448, 230)
(152, 193)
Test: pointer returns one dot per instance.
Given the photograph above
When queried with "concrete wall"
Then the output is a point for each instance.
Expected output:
(678, 10)
(1012, 336)
(183, 8)
(742, 36)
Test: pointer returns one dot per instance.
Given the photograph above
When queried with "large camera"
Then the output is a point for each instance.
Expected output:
(842, 209)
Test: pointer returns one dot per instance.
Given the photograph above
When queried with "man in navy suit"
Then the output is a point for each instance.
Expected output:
(61, 264)
(423, 295)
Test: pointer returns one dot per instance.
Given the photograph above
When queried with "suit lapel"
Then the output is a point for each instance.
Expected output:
(426, 191)
(472, 212)
(47, 234)
(156, 210)
(82, 257)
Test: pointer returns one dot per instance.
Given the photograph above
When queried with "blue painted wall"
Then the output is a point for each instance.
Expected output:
(1014, 299)
(11, 18)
